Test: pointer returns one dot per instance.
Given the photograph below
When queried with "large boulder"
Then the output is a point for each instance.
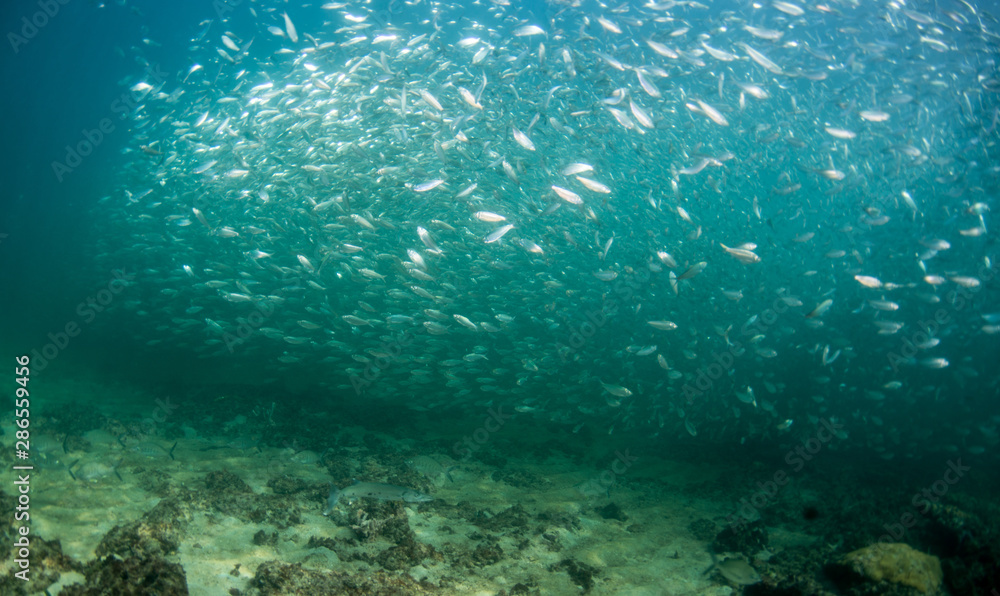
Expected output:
(887, 568)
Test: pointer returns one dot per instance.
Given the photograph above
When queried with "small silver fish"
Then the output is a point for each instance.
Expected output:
(373, 490)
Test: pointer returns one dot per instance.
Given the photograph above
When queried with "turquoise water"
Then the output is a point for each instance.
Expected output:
(649, 299)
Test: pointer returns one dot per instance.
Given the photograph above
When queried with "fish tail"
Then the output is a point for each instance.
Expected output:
(331, 501)
(715, 563)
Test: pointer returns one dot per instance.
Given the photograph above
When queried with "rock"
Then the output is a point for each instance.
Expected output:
(224, 481)
(703, 529)
(131, 576)
(487, 554)
(613, 511)
(895, 567)
(747, 538)
(968, 546)
(275, 578)
(158, 533)
(581, 573)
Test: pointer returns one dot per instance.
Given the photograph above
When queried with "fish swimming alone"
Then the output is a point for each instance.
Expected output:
(373, 490)
(736, 571)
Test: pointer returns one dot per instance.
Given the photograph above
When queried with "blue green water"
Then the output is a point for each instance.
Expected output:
(732, 257)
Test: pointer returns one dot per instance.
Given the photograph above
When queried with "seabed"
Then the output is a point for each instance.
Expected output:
(236, 506)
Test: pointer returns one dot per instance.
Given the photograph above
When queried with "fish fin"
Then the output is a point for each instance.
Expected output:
(331, 501)
(171, 452)
(715, 563)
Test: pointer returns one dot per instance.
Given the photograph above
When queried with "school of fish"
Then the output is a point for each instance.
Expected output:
(683, 219)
